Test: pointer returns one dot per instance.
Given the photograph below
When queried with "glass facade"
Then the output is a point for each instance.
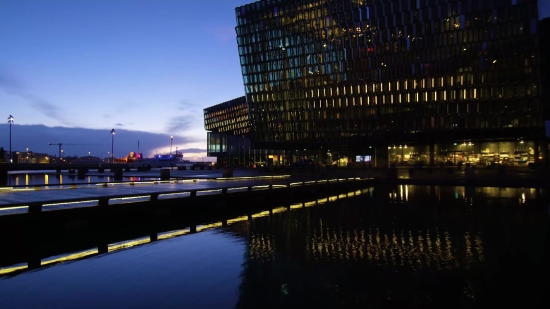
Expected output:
(229, 140)
(230, 117)
(355, 75)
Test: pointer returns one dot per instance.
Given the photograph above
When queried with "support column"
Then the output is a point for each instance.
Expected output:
(432, 154)
(381, 156)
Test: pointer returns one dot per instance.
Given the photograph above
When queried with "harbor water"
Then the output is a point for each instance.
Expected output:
(393, 246)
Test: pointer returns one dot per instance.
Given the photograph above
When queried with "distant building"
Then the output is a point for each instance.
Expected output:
(229, 136)
(30, 157)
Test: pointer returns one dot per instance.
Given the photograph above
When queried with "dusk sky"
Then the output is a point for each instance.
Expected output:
(137, 66)
(132, 65)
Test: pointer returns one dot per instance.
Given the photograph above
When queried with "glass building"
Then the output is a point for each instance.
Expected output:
(229, 136)
(397, 81)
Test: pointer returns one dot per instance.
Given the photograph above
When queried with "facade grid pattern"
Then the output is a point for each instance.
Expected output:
(381, 72)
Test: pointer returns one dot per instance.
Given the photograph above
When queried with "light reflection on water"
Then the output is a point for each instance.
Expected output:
(53, 179)
(400, 246)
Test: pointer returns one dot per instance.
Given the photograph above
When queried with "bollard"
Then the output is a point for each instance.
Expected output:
(3, 174)
(118, 174)
(165, 174)
(58, 169)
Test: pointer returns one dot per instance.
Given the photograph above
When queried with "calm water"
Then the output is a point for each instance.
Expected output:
(398, 247)
(32, 179)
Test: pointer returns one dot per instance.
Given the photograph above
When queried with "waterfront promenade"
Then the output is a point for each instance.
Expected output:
(147, 186)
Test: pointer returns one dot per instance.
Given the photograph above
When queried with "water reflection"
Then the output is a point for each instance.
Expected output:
(406, 246)
(397, 246)
(56, 179)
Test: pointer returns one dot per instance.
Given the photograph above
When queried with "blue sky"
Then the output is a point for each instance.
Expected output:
(136, 65)
(146, 66)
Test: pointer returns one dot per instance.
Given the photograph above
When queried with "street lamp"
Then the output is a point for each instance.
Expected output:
(112, 146)
(88, 153)
(10, 121)
(171, 138)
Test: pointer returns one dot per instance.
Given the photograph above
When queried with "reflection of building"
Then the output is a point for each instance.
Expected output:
(403, 81)
(229, 139)
(423, 244)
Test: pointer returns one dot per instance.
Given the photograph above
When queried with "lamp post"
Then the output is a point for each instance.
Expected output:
(171, 138)
(10, 121)
(112, 146)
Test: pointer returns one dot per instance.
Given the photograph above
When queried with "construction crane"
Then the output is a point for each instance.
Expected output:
(61, 144)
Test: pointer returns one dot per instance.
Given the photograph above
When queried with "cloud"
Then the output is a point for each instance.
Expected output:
(186, 106)
(106, 116)
(192, 150)
(119, 125)
(13, 86)
(78, 141)
(179, 124)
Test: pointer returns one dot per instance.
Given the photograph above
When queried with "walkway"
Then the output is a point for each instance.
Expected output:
(18, 200)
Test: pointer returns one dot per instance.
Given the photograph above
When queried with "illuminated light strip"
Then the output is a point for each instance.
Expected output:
(278, 186)
(332, 198)
(173, 234)
(239, 219)
(70, 257)
(214, 190)
(259, 187)
(322, 201)
(239, 188)
(70, 203)
(279, 210)
(342, 196)
(261, 214)
(16, 207)
(6, 188)
(209, 226)
(309, 204)
(129, 198)
(12, 269)
(172, 194)
(296, 184)
(308, 182)
(128, 244)
(295, 206)
(342, 179)
(333, 180)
